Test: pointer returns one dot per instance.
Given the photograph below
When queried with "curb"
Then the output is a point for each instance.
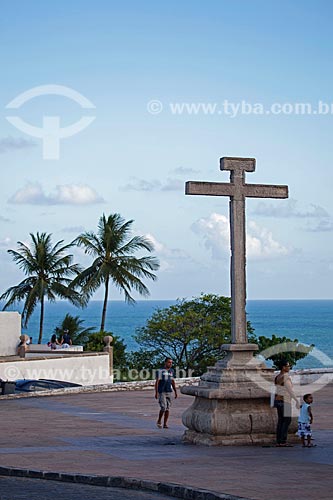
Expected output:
(129, 483)
(114, 387)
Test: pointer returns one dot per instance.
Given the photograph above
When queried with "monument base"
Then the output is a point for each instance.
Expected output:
(232, 402)
(193, 437)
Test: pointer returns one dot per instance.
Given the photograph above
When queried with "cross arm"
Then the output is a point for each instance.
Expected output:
(209, 188)
(228, 189)
(265, 191)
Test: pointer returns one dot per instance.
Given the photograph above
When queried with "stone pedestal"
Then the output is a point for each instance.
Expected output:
(108, 348)
(232, 402)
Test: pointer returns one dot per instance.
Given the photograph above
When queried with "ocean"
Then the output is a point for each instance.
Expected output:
(309, 321)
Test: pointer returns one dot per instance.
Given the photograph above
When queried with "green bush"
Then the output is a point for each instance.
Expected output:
(95, 343)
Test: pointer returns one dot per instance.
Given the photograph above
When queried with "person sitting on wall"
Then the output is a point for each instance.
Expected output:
(66, 340)
(53, 342)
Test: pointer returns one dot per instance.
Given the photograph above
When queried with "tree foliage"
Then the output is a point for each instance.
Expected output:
(144, 359)
(279, 349)
(74, 325)
(49, 271)
(113, 249)
(95, 343)
(191, 332)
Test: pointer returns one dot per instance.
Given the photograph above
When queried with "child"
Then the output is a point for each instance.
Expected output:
(305, 420)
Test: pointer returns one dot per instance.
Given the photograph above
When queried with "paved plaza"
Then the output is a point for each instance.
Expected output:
(115, 434)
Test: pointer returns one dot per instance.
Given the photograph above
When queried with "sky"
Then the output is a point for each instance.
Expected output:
(167, 89)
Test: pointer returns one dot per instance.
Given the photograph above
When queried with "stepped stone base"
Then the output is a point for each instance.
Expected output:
(232, 402)
(232, 440)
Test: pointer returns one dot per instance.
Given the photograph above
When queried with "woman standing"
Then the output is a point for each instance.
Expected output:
(284, 394)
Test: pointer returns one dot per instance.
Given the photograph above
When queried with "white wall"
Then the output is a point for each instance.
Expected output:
(34, 350)
(85, 369)
(10, 331)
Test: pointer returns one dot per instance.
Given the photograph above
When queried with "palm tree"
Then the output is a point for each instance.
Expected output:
(75, 328)
(49, 270)
(113, 248)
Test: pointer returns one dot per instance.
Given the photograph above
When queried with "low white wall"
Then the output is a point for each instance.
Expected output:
(313, 379)
(10, 331)
(85, 369)
(36, 350)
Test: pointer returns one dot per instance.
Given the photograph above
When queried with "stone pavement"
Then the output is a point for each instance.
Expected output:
(114, 434)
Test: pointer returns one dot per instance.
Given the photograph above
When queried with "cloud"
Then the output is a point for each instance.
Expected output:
(162, 249)
(320, 219)
(173, 185)
(142, 185)
(215, 231)
(323, 225)
(8, 144)
(166, 254)
(67, 194)
(153, 185)
(261, 244)
(288, 209)
(184, 171)
(216, 234)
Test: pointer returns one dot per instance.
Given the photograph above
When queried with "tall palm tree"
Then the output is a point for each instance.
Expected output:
(49, 270)
(113, 248)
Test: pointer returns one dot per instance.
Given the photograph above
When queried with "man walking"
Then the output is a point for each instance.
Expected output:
(164, 384)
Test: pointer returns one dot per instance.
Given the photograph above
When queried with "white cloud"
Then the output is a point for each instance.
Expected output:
(67, 194)
(31, 194)
(75, 194)
(162, 249)
(166, 254)
(260, 243)
(215, 232)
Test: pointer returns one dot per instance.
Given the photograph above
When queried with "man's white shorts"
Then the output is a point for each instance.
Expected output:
(164, 400)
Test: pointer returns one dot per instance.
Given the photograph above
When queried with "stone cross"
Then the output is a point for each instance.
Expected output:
(237, 190)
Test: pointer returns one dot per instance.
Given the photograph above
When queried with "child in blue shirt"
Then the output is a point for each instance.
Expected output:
(305, 420)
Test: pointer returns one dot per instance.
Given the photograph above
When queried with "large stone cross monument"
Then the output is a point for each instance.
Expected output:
(231, 405)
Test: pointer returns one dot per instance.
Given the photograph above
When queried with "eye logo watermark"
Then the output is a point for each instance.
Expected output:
(322, 378)
(50, 132)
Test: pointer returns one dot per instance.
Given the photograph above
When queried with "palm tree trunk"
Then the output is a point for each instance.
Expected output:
(105, 304)
(41, 320)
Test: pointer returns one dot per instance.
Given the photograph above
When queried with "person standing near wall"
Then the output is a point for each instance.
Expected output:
(284, 394)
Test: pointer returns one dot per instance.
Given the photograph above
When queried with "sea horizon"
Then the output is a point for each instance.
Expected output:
(308, 320)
